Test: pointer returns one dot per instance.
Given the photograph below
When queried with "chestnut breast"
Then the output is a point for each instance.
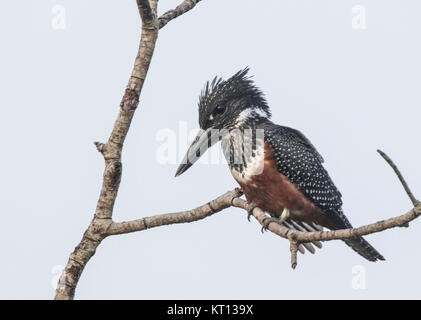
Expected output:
(272, 191)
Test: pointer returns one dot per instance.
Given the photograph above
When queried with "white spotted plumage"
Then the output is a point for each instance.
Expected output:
(244, 107)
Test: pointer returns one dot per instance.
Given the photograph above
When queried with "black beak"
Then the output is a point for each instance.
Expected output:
(203, 141)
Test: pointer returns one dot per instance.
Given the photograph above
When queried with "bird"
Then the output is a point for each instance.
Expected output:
(277, 167)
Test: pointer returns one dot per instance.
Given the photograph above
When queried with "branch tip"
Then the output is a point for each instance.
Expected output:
(182, 8)
(395, 168)
(293, 247)
(99, 146)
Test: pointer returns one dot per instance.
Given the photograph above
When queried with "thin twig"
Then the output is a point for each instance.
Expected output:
(293, 247)
(408, 191)
(304, 236)
(182, 8)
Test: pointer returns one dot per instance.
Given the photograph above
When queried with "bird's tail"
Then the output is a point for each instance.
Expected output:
(363, 248)
(358, 243)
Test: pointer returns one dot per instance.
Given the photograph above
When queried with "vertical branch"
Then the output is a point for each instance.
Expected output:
(111, 151)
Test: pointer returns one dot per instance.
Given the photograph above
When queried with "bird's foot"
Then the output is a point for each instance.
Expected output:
(268, 220)
(250, 210)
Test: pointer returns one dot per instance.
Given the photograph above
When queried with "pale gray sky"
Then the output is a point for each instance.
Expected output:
(350, 91)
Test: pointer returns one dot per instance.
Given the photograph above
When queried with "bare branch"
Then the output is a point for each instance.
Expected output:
(408, 191)
(293, 247)
(98, 231)
(145, 10)
(222, 202)
(232, 198)
(342, 234)
(296, 237)
(182, 8)
(102, 222)
(111, 151)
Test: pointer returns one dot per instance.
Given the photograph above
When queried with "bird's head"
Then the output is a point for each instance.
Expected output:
(229, 104)
(225, 105)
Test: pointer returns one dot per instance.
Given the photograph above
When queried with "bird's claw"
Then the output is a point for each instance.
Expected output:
(284, 215)
(266, 221)
(250, 211)
(249, 214)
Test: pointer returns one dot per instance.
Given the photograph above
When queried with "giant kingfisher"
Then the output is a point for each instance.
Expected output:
(282, 173)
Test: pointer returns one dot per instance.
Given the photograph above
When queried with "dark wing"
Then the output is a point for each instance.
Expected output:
(300, 162)
(305, 141)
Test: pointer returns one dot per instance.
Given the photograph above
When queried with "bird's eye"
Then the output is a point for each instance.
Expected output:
(219, 110)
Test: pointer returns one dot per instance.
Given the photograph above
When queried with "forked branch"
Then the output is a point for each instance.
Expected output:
(112, 149)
